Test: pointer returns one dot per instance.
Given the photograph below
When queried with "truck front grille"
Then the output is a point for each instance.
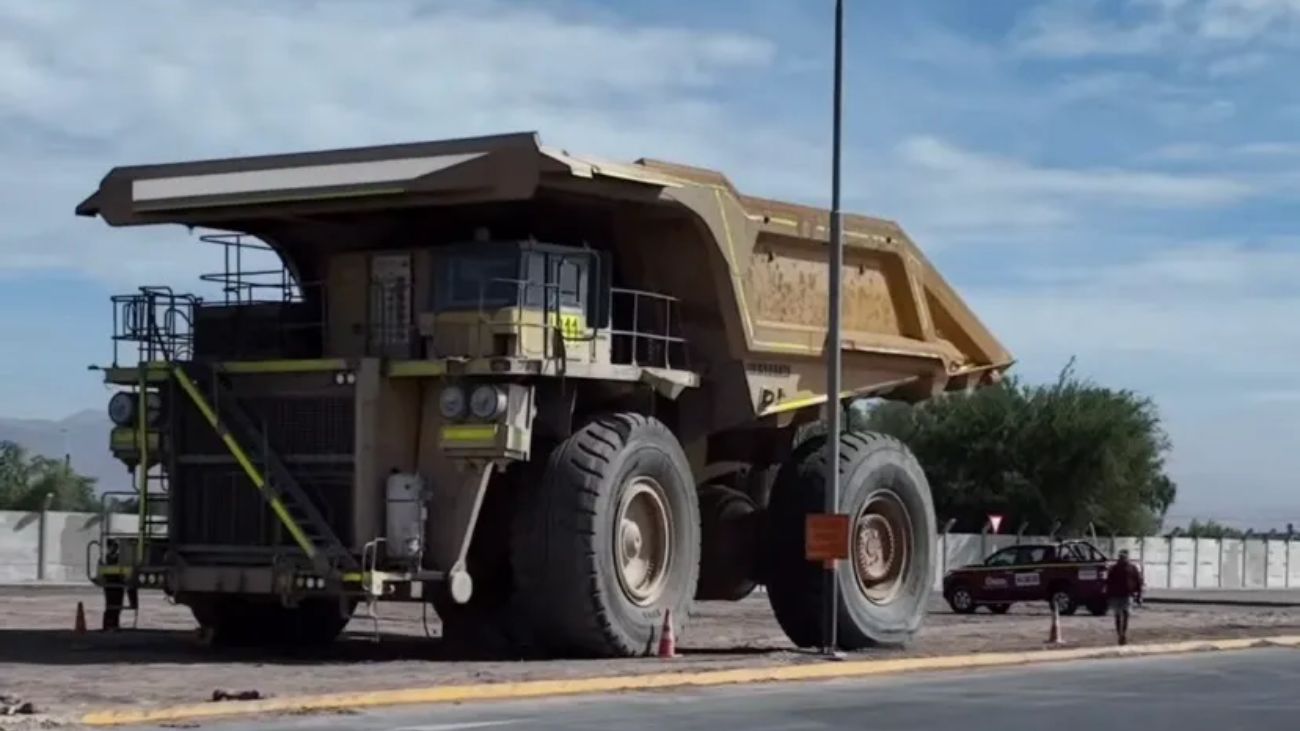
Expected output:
(215, 504)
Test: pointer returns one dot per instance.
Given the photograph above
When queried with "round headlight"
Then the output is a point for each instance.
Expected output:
(451, 402)
(122, 408)
(487, 402)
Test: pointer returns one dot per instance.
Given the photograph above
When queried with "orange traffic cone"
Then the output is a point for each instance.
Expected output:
(79, 627)
(667, 639)
(1054, 637)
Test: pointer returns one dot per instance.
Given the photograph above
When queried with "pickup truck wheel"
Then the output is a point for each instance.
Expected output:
(961, 601)
(999, 608)
(609, 540)
(885, 584)
(1064, 600)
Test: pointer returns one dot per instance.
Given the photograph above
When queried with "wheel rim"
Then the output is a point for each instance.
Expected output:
(642, 547)
(961, 599)
(1062, 600)
(881, 547)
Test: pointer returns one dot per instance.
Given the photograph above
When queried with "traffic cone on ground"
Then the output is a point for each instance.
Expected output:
(79, 626)
(1054, 637)
(667, 639)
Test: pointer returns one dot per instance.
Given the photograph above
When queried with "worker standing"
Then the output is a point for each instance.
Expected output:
(1123, 583)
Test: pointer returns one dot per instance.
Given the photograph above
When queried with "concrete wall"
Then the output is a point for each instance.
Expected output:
(66, 537)
(1178, 563)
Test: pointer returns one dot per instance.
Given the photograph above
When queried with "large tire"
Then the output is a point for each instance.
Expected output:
(728, 544)
(568, 529)
(886, 494)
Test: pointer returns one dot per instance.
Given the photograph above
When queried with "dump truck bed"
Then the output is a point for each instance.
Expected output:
(750, 273)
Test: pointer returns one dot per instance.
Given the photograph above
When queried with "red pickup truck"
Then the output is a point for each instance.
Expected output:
(1069, 573)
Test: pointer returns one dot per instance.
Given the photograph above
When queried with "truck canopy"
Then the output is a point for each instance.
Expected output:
(750, 271)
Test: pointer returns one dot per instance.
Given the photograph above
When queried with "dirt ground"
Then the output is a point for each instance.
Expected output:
(161, 662)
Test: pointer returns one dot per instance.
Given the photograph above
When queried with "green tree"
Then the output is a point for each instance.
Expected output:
(1210, 529)
(26, 480)
(1070, 451)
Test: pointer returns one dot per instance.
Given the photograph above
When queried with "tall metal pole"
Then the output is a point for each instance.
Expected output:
(830, 638)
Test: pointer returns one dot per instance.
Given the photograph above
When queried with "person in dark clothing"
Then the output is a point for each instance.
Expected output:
(1123, 584)
(115, 591)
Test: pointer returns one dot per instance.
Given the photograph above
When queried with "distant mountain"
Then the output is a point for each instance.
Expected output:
(83, 436)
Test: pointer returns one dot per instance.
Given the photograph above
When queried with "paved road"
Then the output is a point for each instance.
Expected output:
(1205, 692)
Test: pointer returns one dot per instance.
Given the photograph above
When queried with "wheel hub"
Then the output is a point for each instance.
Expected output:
(642, 546)
(875, 547)
(881, 532)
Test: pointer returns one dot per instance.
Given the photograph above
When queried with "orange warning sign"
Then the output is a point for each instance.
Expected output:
(826, 537)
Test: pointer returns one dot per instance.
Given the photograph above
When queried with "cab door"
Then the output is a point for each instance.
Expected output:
(1028, 577)
(995, 579)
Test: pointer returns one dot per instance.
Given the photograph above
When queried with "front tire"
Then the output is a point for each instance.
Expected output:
(885, 585)
(961, 601)
(609, 540)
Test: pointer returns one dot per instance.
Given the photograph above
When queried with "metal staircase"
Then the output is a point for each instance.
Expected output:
(211, 395)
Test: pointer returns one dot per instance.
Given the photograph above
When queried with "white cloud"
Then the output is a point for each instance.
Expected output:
(960, 193)
(155, 81)
(1117, 186)
(1247, 20)
(1218, 305)
(1236, 65)
(1071, 30)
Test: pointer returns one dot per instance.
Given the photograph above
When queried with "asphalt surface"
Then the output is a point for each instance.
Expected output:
(1204, 692)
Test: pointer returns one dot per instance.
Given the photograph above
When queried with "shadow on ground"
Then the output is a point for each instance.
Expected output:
(65, 647)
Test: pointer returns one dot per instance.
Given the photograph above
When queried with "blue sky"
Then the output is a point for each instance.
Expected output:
(1110, 180)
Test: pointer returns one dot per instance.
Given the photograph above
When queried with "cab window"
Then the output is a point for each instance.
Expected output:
(1005, 557)
(1071, 553)
(471, 280)
(1036, 554)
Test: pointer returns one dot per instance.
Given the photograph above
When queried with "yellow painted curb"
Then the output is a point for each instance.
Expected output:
(817, 670)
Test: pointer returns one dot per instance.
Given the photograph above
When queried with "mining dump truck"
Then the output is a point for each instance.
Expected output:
(555, 398)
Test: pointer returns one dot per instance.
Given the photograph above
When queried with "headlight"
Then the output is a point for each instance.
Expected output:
(451, 402)
(122, 408)
(487, 402)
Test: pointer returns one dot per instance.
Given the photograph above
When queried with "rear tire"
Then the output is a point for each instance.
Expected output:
(885, 585)
(609, 540)
(1063, 597)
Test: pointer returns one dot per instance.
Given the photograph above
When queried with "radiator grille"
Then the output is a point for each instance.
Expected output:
(213, 501)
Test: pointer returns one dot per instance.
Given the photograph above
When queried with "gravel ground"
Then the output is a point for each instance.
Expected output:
(42, 661)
